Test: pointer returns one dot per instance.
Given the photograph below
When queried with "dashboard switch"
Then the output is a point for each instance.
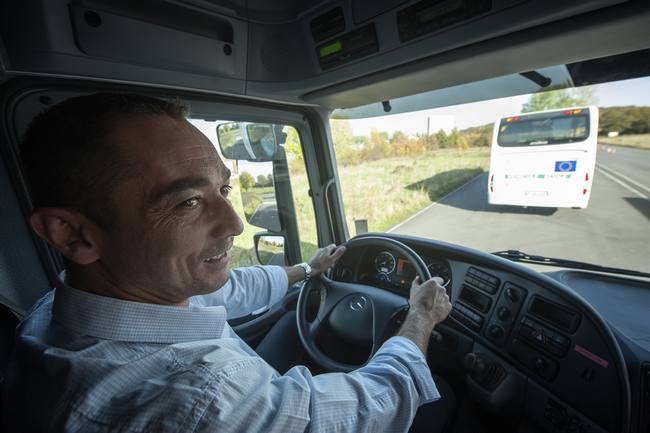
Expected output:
(544, 366)
(511, 295)
(474, 365)
(503, 313)
(495, 332)
(555, 414)
(539, 364)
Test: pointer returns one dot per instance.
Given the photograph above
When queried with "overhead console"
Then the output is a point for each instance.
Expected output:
(290, 51)
(148, 41)
(357, 40)
(401, 24)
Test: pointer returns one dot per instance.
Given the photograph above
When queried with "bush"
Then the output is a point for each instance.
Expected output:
(246, 180)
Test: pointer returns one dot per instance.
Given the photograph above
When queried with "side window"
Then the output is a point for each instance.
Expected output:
(270, 190)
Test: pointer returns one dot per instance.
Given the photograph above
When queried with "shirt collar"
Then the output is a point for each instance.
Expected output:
(118, 319)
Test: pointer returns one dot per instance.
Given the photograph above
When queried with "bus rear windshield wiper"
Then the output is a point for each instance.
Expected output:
(520, 256)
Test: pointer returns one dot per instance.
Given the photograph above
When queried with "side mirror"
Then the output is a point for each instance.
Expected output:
(243, 141)
(270, 249)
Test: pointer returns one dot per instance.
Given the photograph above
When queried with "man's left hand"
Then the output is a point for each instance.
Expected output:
(325, 258)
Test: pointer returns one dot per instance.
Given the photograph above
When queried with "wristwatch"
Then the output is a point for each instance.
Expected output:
(305, 266)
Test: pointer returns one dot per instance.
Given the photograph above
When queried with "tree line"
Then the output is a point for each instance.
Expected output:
(248, 181)
(351, 149)
(624, 120)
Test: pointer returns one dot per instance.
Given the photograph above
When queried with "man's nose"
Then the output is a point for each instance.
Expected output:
(225, 220)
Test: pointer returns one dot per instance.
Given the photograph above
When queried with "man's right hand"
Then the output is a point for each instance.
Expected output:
(429, 306)
(430, 299)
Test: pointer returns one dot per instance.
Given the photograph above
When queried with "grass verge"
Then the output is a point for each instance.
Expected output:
(638, 141)
(383, 192)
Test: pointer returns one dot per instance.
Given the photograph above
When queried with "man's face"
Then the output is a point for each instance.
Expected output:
(174, 223)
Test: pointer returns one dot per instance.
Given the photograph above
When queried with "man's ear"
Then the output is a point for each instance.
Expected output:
(69, 232)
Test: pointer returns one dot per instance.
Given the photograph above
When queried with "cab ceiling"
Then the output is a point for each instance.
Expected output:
(270, 50)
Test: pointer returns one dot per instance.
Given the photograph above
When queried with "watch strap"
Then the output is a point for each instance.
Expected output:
(307, 268)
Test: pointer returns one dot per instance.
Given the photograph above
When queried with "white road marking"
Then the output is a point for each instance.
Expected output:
(624, 177)
(433, 204)
(623, 184)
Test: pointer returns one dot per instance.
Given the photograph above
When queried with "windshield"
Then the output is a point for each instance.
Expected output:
(544, 128)
(439, 174)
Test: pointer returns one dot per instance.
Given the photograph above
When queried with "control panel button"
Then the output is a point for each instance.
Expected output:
(543, 337)
(495, 332)
(544, 366)
(467, 317)
(511, 295)
(503, 313)
(539, 363)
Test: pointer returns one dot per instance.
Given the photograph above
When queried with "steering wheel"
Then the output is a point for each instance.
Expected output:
(357, 312)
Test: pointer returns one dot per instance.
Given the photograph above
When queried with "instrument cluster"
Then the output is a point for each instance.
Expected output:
(395, 273)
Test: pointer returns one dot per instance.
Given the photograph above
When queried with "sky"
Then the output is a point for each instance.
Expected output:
(618, 93)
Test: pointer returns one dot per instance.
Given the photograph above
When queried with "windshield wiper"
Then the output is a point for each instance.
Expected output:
(520, 256)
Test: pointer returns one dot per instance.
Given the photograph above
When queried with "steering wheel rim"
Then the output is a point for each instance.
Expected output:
(378, 308)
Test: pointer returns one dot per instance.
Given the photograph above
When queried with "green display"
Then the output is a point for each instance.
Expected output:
(332, 48)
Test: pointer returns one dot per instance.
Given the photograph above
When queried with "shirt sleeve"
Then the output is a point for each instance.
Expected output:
(382, 396)
(248, 289)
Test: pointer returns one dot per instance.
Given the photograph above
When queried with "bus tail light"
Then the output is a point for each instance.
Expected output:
(584, 191)
(586, 177)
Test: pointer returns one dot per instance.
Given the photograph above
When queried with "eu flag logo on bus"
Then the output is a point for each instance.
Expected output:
(563, 166)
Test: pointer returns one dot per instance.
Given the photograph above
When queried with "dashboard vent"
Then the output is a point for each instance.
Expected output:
(482, 280)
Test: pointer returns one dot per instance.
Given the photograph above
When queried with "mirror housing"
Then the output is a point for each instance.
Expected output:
(270, 248)
(244, 141)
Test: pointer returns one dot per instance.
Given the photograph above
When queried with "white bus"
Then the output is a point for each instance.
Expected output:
(544, 159)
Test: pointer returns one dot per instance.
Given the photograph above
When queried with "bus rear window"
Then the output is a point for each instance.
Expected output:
(542, 129)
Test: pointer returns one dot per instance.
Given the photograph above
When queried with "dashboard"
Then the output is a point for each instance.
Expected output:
(529, 344)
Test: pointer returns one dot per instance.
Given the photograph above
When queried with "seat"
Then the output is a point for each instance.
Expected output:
(8, 323)
(23, 279)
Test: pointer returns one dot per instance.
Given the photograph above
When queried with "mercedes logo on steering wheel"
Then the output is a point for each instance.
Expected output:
(358, 303)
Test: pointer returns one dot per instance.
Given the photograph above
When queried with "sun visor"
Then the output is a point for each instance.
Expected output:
(555, 77)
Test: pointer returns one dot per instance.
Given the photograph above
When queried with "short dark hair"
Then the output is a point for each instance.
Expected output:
(70, 158)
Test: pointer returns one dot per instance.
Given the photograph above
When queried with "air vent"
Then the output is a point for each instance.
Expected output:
(482, 280)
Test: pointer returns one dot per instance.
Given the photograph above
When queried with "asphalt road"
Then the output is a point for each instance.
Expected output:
(266, 215)
(614, 230)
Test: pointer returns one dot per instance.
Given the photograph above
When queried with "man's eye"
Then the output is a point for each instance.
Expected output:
(190, 203)
(225, 190)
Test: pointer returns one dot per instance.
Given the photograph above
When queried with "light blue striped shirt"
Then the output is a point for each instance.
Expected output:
(87, 363)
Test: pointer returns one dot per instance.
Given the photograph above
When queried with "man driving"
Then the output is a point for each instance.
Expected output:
(134, 337)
